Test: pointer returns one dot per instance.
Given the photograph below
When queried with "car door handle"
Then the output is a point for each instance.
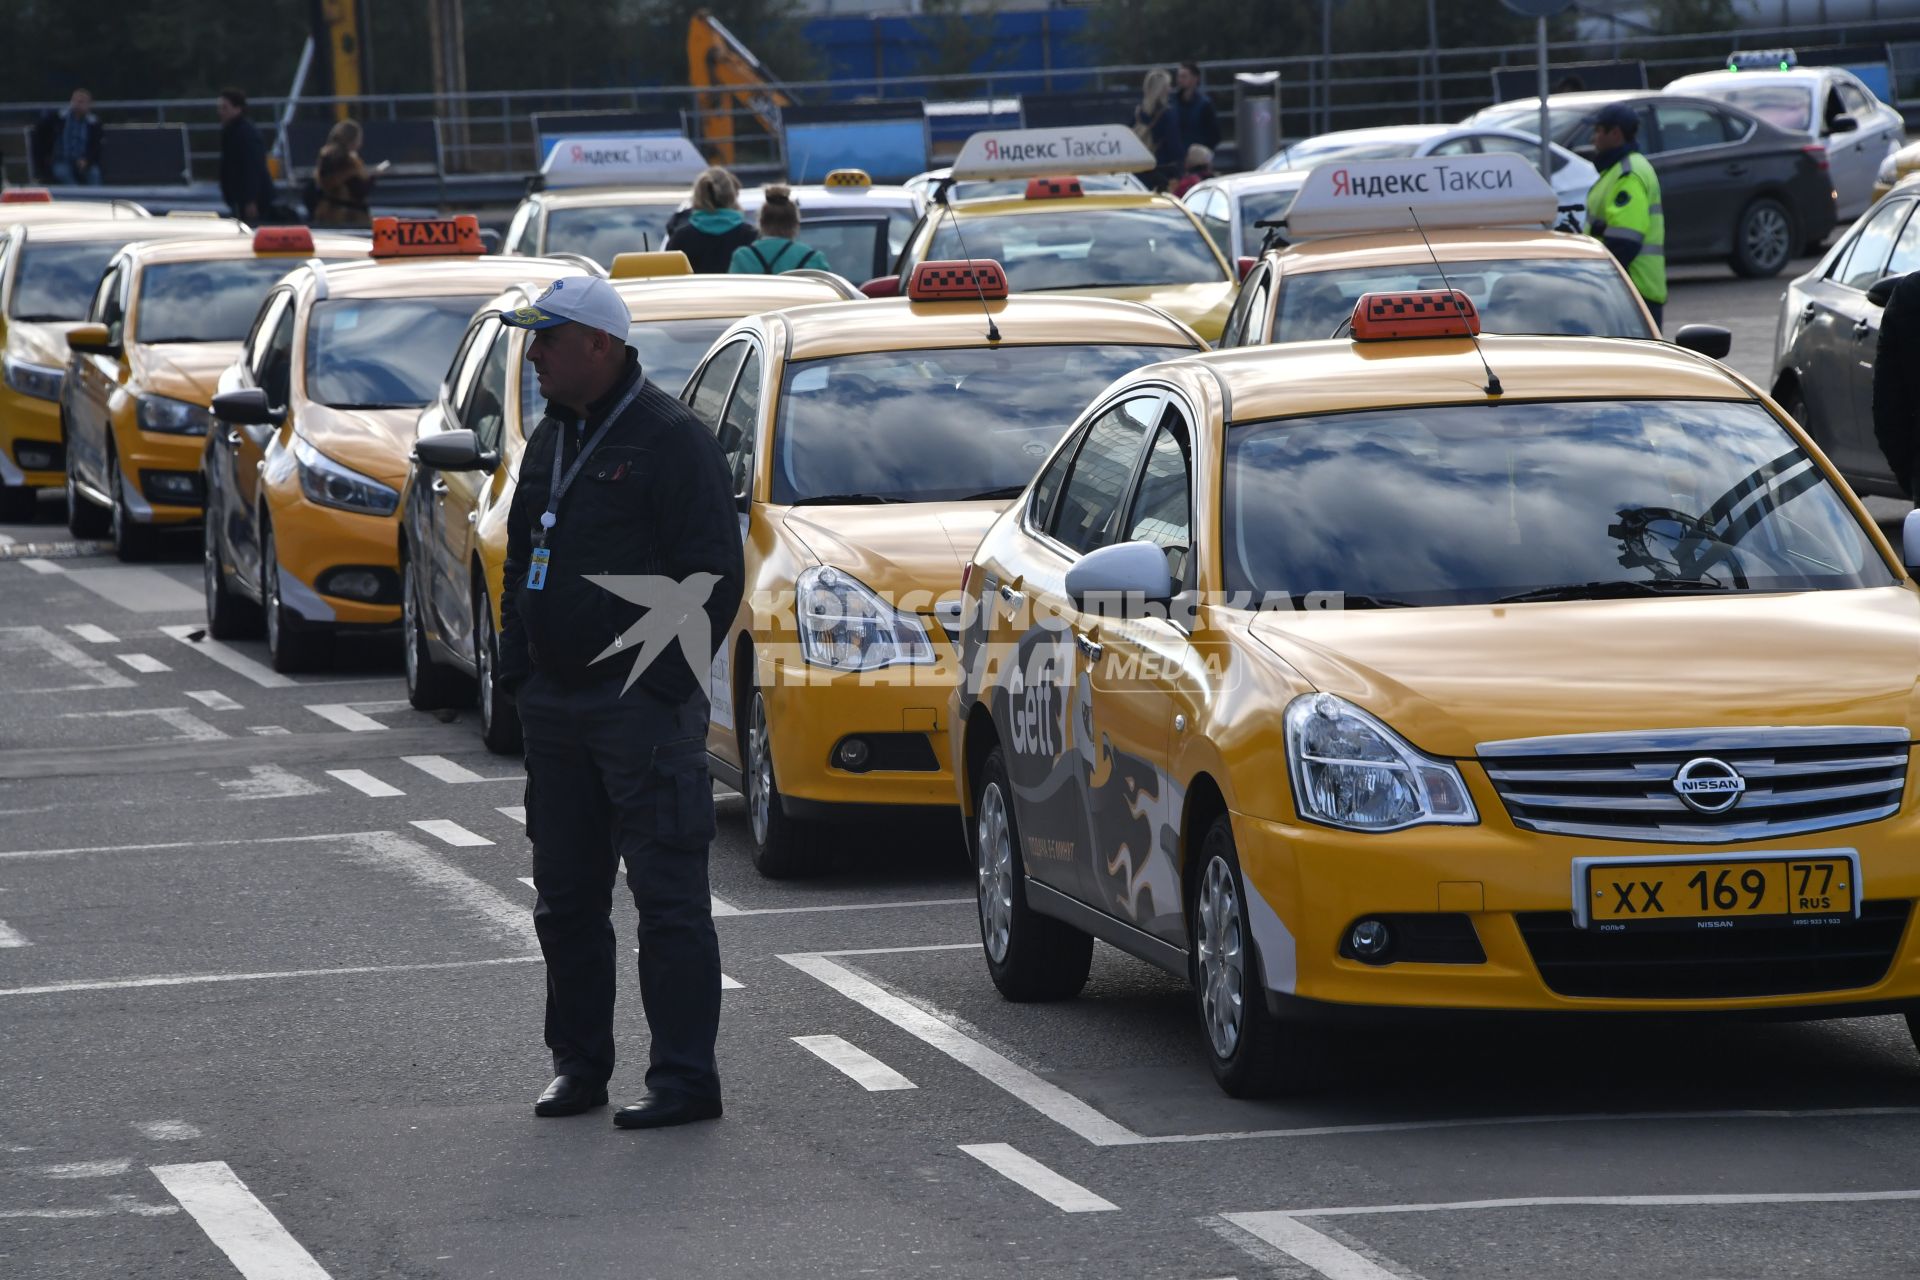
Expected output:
(439, 485)
(1809, 311)
(1092, 648)
(1736, 170)
(473, 517)
(1009, 593)
(233, 436)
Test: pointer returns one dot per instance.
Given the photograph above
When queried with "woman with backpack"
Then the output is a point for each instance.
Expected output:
(716, 228)
(778, 248)
(1155, 124)
(341, 181)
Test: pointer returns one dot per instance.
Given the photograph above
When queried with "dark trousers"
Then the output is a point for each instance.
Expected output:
(612, 777)
(1659, 310)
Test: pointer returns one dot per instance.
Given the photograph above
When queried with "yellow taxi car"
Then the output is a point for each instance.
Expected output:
(36, 204)
(454, 528)
(49, 271)
(871, 443)
(166, 319)
(1060, 238)
(604, 196)
(1409, 673)
(304, 469)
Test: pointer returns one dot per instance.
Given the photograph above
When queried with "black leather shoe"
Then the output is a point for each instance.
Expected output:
(664, 1109)
(569, 1096)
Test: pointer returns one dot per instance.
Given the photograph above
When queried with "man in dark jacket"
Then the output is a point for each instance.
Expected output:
(66, 144)
(1193, 110)
(245, 183)
(1896, 382)
(623, 572)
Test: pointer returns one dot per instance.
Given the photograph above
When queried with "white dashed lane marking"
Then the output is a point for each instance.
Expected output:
(229, 657)
(167, 1130)
(1321, 1253)
(213, 700)
(88, 1169)
(447, 771)
(731, 984)
(92, 634)
(518, 812)
(269, 730)
(235, 1220)
(11, 937)
(42, 566)
(1016, 1166)
(451, 832)
(855, 1063)
(144, 663)
(365, 783)
(346, 717)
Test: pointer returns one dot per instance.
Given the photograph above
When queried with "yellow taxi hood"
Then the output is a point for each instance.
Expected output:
(1202, 307)
(374, 442)
(912, 547)
(183, 370)
(41, 342)
(1448, 679)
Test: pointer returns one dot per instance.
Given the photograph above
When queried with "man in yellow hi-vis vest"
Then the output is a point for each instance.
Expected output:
(1623, 208)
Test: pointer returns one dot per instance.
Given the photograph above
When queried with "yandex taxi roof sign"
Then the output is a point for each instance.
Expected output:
(1353, 196)
(614, 160)
(458, 236)
(1046, 153)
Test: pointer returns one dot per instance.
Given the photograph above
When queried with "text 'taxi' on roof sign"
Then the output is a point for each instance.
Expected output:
(611, 160)
(1346, 197)
(1044, 153)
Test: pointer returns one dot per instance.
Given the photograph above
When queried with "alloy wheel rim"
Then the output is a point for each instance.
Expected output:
(483, 659)
(993, 839)
(210, 570)
(119, 505)
(410, 624)
(1221, 959)
(1767, 237)
(270, 592)
(759, 772)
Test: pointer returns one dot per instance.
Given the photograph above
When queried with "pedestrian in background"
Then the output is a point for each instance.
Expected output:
(66, 144)
(1623, 207)
(778, 248)
(342, 180)
(1193, 110)
(1896, 382)
(716, 227)
(245, 183)
(1199, 169)
(1156, 126)
(623, 534)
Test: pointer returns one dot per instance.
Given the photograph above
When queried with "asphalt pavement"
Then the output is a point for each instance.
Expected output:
(270, 1007)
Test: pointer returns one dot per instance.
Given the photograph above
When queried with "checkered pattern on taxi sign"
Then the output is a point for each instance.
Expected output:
(1432, 313)
(1053, 188)
(980, 277)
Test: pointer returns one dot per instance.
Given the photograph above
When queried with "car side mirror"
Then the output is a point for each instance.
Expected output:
(882, 287)
(1707, 339)
(247, 407)
(454, 451)
(1842, 123)
(1115, 577)
(1910, 541)
(1881, 292)
(92, 340)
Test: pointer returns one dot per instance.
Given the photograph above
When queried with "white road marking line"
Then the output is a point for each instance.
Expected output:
(186, 844)
(235, 1220)
(11, 937)
(1326, 1256)
(1626, 1202)
(116, 1204)
(844, 906)
(518, 812)
(451, 832)
(855, 1063)
(167, 1130)
(721, 907)
(365, 783)
(92, 634)
(189, 726)
(269, 782)
(213, 699)
(1016, 1166)
(446, 770)
(269, 730)
(730, 984)
(145, 664)
(207, 979)
(1048, 1099)
(528, 881)
(42, 566)
(88, 1169)
(346, 717)
(99, 675)
(510, 920)
(229, 657)
(139, 590)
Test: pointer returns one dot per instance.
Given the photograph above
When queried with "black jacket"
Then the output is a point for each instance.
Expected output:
(655, 498)
(709, 254)
(1197, 121)
(244, 179)
(45, 142)
(1896, 382)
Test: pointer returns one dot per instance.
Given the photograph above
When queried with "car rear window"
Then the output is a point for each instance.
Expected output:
(383, 353)
(204, 301)
(1515, 295)
(1085, 248)
(1788, 106)
(56, 281)
(601, 233)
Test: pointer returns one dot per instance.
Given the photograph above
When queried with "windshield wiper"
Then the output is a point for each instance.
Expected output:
(991, 495)
(841, 500)
(1617, 589)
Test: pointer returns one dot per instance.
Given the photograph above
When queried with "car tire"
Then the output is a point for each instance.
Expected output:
(430, 686)
(229, 616)
(292, 645)
(18, 504)
(1763, 238)
(1913, 1027)
(84, 520)
(133, 542)
(1030, 957)
(499, 714)
(784, 847)
(1794, 401)
(1252, 1053)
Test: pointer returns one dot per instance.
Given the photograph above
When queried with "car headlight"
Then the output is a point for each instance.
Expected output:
(175, 417)
(331, 485)
(1351, 771)
(844, 625)
(36, 380)
(1888, 170)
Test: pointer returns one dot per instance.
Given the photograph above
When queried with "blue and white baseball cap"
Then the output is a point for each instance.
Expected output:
(586, 300)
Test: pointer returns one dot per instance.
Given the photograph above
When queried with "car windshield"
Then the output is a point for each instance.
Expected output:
(383, 353)
(669, 349)
(1313, 151)
(601, 233)
(934, 425)
(56, 281)
(1086, 248)
(1513, 295)
(1473, 504)
(1257, 207)
(204, 301)
(1789, 106)
(1002, 188)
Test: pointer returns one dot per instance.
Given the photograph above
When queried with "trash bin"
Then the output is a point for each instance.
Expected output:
(1256, 112)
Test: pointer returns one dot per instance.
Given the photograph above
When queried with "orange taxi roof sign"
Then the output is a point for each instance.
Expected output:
(26, 195)
(646, 266)
(968, 278)
(848, 178)
(1428, 313)
(427, 237)
(1053, 188)
(283, 240)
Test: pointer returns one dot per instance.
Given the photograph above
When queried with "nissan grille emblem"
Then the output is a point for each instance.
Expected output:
(1708, 785)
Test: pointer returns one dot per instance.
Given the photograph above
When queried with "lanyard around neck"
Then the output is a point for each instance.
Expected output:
(562, 483)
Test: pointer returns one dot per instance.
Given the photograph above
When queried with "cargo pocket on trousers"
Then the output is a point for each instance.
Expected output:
(683, 793)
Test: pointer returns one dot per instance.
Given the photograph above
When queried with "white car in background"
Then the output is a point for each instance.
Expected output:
(1572, 176)
(1231, 207)
(1826, 105)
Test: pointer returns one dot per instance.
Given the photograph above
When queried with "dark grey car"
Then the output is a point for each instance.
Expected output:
(1828, 333)
(1733, 186)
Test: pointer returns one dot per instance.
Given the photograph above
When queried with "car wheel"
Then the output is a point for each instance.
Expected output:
(229, 617)
(784, 848)
(1251, 1052)
(132, 541)
(1763, 238)
(291, 644)
(84, 520)
(499, 716)
(1913, 1027)
(1794, 401)
(1029, 956)
(430, 686)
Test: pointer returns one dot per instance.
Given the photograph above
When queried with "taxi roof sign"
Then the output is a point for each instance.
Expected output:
(26, 195)
(1047, 153)
(458, 236)
(1354, 196)
(283, 240)
(1428, 313)
(649, 266)
(848, 178)
(623, 160)
(1054, 188)
(974, 278)
(1763, 60)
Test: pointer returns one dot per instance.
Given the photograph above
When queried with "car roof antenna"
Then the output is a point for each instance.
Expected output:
(993, 330)
(1493, 380)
